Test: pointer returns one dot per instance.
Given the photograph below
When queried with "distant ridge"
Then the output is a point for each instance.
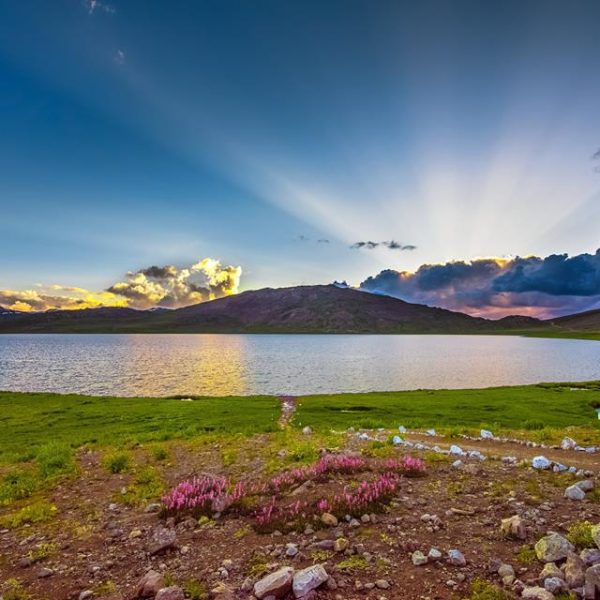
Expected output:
(302, 309)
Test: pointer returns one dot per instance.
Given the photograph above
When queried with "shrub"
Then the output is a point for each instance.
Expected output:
(580, 534)
(13, 590)
(17, 485)
(484, 590)
(55, 459)
(159, 453)
(116, 462)
(195, 590)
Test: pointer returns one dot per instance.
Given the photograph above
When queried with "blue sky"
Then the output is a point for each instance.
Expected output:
(146, 133)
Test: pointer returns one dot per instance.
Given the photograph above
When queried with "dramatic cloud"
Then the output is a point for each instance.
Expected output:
(167, 286)
(391, 245)
(491, 287)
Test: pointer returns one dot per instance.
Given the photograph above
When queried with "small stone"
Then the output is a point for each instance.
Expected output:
(149, 585)
(553, 547)
(341, 544)
(277, 584)
(135, 533)
(382, 584)
(513, 527)
(86, 595)
(550, 570)
(329, 520)
(574, 492)
(162, 539)
(587, 485)
(291, 550)
(595, 531)
(456, 558)
(154, 507)
(506, 570)
(418, 558)
(434, 554)
(590, 556)
(309, 579)
(307, 430)
(365, 519)
(170, 593)
(45, 572)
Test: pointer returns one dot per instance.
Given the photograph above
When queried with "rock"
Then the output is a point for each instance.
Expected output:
(247, 585)
(590, 556)
(513, 527)
(568, 443)
(162, 539)
(291, 550)
(149, 585)
(307, 430)
(595, 531)
(86, 595)
(553, 547)
(540, 462)
(434, 554)
(537, 593)
(277, 584)
(170, 593)
(587, 485)
(418, 558)
(154, 507)
(555, 585)
(486, 435)
(431, 432)
(329, 520)
(456, 558)
(505, 570)
(472, 469)
(574, 570)
(45, 572)
(550, 570)
(592, 583)
(574, 492)
(456, 450)
(341, 544)
(397, 440)
(382, 584)
(457, 464)
(309, 579)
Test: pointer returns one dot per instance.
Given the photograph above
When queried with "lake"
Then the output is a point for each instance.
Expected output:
(204, 364)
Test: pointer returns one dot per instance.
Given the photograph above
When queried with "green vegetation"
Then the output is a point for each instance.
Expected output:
(484, 590)
(580, 534)
(353, 563)
(526, 555)
(30, 421)
(554, 406)
(116, 462)
(38, 512)
(195, 590)
(13, 590)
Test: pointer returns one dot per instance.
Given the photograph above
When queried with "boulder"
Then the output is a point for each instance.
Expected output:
(568, 444)
(537, 593)
(486, 435)
(590, 556)
(592, 583)
(553, 547)
(277, 584)
(574, 570)
(555, 585)
(596, 534)
(574, 492)
(170, 593)
(587, 485)
(309, 579)
(149, 585)
(513, 527)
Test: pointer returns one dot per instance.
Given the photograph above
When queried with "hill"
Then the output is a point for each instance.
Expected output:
(585, 321)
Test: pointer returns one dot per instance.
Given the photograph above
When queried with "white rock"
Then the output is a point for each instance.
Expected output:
(307, 430)
(541, 462)
(402, 429)
(456, 558)
(537, 593)
(308, 579)
(431, 432)
(486, 435)
(397, 440)
(456, 450)
(568, 444)
(573, 492)
(277, 584)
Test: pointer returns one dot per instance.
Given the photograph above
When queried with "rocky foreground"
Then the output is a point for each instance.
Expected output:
(362, 521)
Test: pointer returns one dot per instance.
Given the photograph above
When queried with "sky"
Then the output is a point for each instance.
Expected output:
(284, 143)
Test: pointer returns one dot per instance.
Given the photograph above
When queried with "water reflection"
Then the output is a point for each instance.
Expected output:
(162, 365)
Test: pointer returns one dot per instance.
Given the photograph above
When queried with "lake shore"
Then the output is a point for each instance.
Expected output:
(81, 482)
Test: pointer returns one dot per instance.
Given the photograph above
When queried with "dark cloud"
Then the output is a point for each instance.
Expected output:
(166, 272)
(391, 245)
(551, 286)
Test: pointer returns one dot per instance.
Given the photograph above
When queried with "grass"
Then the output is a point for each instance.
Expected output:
(116, 462)
(484, 590)
(28, 422)
(553, 406)
(38, 512)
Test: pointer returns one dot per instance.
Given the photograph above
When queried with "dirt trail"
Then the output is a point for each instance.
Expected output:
(581, 460)
(288, 408)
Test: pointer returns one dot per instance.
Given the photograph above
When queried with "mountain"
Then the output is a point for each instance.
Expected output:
(9, 313)
(585, 321)
(303, 309)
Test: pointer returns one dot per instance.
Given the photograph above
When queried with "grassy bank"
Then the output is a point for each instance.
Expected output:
(31, 421)
(517, 408)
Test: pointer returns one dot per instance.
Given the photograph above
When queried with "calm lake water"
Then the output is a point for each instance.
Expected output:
(163, 365)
